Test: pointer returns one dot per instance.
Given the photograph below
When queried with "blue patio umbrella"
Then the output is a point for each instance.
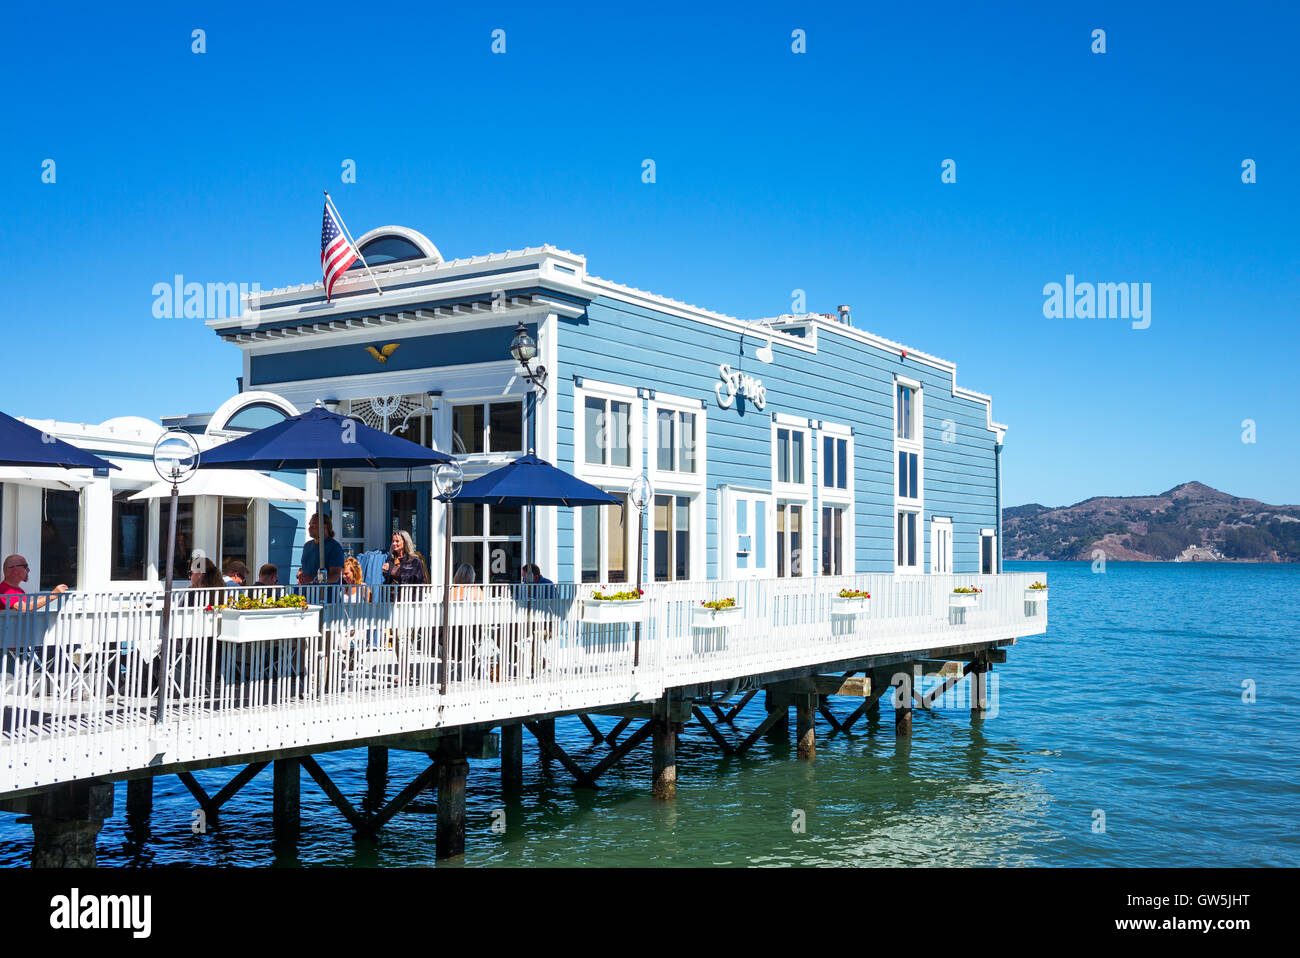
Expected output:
(529, 481)
(315, 439)
(24, 445)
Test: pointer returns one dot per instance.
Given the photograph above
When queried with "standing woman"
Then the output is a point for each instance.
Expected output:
(404, 565)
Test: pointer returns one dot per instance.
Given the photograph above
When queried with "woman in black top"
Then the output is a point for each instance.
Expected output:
(404, 565)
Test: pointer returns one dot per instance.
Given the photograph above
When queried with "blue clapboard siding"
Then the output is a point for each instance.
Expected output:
(287, 528)
(844, 382)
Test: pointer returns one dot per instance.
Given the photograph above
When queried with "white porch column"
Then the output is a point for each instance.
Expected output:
(95, 559)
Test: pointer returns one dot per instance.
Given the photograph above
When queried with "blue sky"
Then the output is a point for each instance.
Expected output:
(775, 171)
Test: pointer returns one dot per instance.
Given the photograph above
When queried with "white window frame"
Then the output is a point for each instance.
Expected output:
(835, 431)
(629, 538)
(793, 490)
(835, 497)
(903, 503)
(697, 518)
(940, 528)
(597, 473)
(988, 534)
(781, 540)
(485, 539)
(693, 482)
(486, 455)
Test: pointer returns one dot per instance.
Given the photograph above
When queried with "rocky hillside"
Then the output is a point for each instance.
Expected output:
(1189, 522)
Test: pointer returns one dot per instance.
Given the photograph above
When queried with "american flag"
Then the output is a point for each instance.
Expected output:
(336, 252)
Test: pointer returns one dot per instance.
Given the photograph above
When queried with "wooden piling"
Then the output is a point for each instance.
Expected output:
(449, 841)
(139, 797)
(979, 687)
(376, 766)
(903, 705)
(512, 756)
(65, 821)
(778, 703)
(547, 728)
(805, 709)
(286, 806)
(664, 742)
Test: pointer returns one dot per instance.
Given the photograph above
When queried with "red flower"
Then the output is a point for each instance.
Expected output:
(208, 609)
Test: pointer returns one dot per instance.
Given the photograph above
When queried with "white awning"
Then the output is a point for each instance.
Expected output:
(47, 477)
(236, 483)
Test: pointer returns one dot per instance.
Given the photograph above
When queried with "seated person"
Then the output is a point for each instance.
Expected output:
(15, 574)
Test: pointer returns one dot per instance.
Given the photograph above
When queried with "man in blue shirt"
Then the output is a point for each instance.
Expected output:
(311, 554)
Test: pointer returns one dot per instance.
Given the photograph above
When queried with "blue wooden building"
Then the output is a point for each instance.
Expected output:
(795, 445)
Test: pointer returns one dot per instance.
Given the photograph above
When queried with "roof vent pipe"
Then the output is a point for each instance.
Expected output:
(846, 317)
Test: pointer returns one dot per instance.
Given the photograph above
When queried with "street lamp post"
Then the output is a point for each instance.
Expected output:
(639, 495)
(448, 477)
(175, 458)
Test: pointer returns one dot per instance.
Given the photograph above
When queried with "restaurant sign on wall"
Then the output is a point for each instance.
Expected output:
(735, 383)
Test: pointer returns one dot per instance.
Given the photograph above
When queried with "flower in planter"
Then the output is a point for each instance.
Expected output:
(1038, 585)
(719, 604)
(208, 608)
(618, 596)
(854, 594)
(964, 590)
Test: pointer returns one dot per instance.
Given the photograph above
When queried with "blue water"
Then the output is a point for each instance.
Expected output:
(1131, 707)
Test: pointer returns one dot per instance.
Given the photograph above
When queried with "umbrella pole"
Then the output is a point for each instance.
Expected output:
(164, 629)
(444, 643)
(320, 521)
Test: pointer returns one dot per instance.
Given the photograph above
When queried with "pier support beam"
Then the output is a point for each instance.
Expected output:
(547, 729)
(664, 743)
(777, 703)
(286, 808)
(376, 766)
(449, 841)
(805, 708)
(65, 821)
(903, 706)
(979, 686)
(139, 797)
(512, 756)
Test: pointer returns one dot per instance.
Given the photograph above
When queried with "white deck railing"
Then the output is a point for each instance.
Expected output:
(79, 688)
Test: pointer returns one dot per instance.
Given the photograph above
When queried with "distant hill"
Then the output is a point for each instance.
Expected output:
(1190, 522)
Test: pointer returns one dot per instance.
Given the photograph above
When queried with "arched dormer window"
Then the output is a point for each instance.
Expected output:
(389, 249)
(254, 416)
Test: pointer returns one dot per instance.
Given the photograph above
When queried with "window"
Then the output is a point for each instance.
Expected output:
(790, 456)
(907, 475)
(835, 462)
(236, 528)
(130, 538)
(388, 249)
(675, 439)
(941, 544)
(832, 540)
(988, 552)
(905, 412)
(907, 543)
(489, 539)
(672, 538)
(608, 432)
(184, 536)
(487, 427)
(255, 416)
(604, 542)
(60, 538)
(789, 539)
(352, 521)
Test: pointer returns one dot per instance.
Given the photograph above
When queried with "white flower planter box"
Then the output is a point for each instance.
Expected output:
(1035, 595)
(963, 600)
(849, 607)
(702, 618)
(613, 611)
(267, 625)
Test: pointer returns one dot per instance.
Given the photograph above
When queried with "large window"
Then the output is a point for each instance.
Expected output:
(790, 444)
(988, 552)
(908, 548)
(184, 536)
(352, 521)
(236, 532)
(60, 538)
(905, 413)
(489, 539)
(130, 546)
(672, 538)
(909, 476)
(835, 462)
(832, 540)
(675, 438)
(604, 535)
(789, 539)
(487, 427)
(607, 432)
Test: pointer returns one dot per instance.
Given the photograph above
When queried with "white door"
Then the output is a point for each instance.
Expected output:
(940, 545)
(747, 549)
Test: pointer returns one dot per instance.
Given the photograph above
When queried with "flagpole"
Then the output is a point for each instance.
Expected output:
(339, 216)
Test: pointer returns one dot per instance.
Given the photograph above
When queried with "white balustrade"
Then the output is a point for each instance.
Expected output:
(79, 696)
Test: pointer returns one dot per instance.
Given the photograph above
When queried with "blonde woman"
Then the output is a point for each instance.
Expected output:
(404, 565)
(354, 587)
